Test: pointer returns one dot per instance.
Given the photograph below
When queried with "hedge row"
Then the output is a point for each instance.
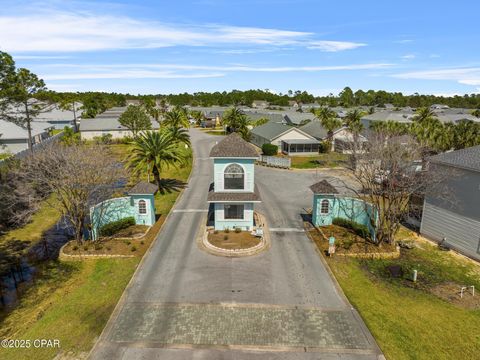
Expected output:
(115, 226)
(359, 229)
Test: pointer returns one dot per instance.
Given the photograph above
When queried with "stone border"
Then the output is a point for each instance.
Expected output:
(376, 255)
(68, 257)
(204, 244)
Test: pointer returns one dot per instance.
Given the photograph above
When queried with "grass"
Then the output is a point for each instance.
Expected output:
(331, 160)
(71, 302)
(45, 218)
(406, 318)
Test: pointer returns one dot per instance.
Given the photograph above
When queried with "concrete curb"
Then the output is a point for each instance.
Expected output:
(121, 301)
(68, 257)
(204, 244)
(365, 329)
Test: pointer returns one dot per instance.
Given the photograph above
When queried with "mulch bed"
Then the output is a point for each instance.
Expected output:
(233, 240)
(347, 242)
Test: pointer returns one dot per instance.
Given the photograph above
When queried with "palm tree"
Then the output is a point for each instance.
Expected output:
(155, 149)
(353, 120)
(237, 121)
(426, 130)
(176, 118)
(328, 119)
(424, 114)
(467, 134)
(180, 135)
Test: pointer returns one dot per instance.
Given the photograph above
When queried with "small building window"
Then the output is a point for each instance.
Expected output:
(142, 207)
(234, 177)
(233, 212)
(325, 207)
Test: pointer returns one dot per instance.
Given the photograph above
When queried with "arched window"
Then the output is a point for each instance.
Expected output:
(234, 177)
(325, 207)
(142, 207)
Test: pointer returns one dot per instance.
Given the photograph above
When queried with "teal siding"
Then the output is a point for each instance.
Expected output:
(245, 224)
(343, 207)
(248, 166)
(120, 208)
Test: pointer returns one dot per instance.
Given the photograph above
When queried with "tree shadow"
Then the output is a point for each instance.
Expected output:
(171, 185)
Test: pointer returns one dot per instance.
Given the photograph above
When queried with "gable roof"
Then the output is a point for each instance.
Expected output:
(314, 128)
(271, 130)
(10, 130)
(143, 188)
(323, 187)
(468, 158)
(233, 146)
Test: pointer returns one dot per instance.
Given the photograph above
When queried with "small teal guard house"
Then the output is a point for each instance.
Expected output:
(140, 204)
(233, 193)
(328, 204)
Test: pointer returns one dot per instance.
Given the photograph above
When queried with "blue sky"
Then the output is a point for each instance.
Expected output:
(208, 45)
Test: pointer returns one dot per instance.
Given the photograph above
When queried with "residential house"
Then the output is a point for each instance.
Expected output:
(14, 138)
(233, 194)
(289, 139)
(107, 123)
(452, 214)
(259, 103)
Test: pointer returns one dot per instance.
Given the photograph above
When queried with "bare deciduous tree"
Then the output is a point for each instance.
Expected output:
(389, 174)
(77, 176)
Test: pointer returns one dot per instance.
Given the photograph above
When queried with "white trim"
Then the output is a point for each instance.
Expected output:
(244, 178)
(291, 129)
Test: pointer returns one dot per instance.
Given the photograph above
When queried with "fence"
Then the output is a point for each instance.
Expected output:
(24, 153)
(275, 161)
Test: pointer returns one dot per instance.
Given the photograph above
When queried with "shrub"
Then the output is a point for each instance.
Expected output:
(269, 149)
(325, 147)
(133, 248)
(215, 231)
(225, 237)
(359, 229)
(115, 226)
(142, 242)
(238, 230)
(108, 248)
(227, 230)
(75, 248)
(85, 247)
(97, 246)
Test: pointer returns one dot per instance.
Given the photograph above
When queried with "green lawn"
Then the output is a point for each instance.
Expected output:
(46, 217)
(70, 302)
(331, 159)
(407, 320)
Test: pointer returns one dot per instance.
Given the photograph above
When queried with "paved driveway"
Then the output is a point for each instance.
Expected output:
(183, 303)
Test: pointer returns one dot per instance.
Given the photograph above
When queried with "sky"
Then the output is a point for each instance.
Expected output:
(151, 47)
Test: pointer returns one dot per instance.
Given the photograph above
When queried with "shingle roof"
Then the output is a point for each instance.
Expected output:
(314, 128)
(468, 158)
(234, 196)
(323, 187)
(143, 188)
(10, 130)
(271, 130)
(106, 123)
(233, 146)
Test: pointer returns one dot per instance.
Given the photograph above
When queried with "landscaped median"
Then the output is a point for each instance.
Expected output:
(423, 319)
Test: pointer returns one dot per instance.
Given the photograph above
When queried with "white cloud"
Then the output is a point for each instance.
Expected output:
(52, 30)
(408, 57)
(55, 72)
(404, 41)
(462, 75)
(39, 57)
(334, 46)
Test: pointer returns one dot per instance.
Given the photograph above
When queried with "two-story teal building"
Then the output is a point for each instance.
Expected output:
(233, 193)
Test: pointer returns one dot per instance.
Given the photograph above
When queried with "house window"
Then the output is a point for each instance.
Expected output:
(325, 207)
(233, 212)
(142, 207)
(234, 177)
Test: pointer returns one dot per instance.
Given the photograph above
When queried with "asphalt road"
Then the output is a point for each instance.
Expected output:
(162, 312)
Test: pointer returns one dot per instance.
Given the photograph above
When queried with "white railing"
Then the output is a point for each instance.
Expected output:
(275, 161)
